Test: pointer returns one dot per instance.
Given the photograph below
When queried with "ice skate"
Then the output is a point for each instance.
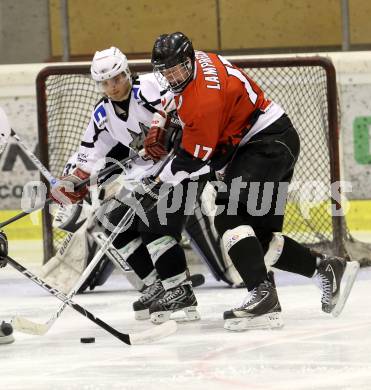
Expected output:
(174, 300)
(336, 277)
(150, 295)
(260, 310)
(6, 333)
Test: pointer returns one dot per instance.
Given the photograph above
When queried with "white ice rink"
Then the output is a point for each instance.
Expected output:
(312, 351)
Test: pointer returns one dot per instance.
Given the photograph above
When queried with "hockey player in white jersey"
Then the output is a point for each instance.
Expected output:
(130, 106)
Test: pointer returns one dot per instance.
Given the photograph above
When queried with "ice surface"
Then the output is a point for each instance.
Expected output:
(312, 351)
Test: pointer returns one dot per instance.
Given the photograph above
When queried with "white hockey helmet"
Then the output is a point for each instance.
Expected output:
(109, 63)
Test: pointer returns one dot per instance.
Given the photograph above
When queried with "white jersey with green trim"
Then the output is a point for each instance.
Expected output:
(126, 122)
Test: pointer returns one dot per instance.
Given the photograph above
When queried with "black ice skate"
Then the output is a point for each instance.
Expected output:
(175, 299)
(260, 310)
(6, 333)
(336, 277)
(150, 295)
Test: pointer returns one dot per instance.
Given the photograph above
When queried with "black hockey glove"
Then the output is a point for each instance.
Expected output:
(148, 192)
(3, 249)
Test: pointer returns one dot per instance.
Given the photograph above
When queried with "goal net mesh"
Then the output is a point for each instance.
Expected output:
(305, 88)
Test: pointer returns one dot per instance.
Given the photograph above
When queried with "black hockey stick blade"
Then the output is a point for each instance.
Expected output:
(197, 280)
(155, 333)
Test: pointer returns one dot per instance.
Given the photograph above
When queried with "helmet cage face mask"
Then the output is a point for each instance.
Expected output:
(174, 78)
(105, 85)
(106, 65)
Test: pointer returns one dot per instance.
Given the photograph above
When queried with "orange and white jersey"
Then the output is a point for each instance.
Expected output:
(220, 108)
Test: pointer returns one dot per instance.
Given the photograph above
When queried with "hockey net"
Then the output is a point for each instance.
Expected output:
(304, 87)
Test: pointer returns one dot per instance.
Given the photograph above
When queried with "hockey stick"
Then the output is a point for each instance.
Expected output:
(48, 176)
(112, 253)
(6, 132)
(115, 256)
(149, 335)
(26, 326)
(103, 172)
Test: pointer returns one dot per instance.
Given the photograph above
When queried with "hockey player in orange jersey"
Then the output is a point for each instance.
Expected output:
(232, 129)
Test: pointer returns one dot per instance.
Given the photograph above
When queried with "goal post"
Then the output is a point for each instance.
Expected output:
(304, 86)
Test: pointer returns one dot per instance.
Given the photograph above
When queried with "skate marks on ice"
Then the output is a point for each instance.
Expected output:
(287, 359)
(312, 351)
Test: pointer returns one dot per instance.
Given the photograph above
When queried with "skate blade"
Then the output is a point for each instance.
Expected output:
(183, 315)
(190, 314)
(267, 321)
(349, 278)
(141, 315)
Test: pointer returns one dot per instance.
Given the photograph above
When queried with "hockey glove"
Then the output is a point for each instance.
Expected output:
(154, 143)
(148, 192)
(65, 192)
(3, 249)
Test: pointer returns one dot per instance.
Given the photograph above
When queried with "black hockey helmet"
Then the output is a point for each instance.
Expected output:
(173, 59)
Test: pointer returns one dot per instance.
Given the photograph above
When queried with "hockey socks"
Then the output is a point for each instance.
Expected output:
(247, 255)
(296, 258)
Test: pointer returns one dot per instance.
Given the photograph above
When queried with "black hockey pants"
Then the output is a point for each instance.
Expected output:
(264, 166)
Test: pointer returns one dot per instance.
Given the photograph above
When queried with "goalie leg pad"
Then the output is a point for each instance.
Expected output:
(131, 256)
(102, 272)
(136, 255)
(65, 268)
(70, 218)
